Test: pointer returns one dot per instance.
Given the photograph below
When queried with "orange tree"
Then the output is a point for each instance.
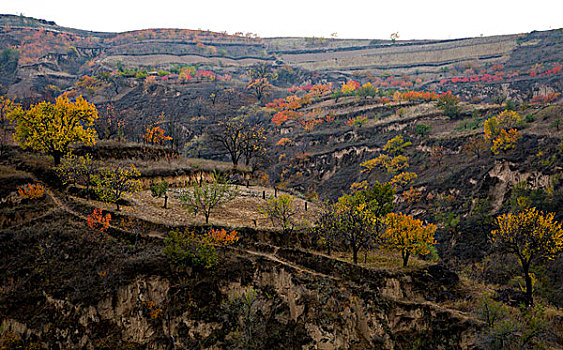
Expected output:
(261, 87)
(52, 128)
(408, 235)
(155, 135)
(532, 236)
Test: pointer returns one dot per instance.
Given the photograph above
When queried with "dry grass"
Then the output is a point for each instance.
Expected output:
(7, 172)
(241, 212)
(384, 259)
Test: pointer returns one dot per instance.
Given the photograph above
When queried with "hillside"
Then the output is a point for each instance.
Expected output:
(310, 141)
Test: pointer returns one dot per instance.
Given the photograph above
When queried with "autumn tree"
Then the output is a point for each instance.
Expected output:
(115, 184)
(6, 107)
(532, 236)
(408, 235)
(206, 197)
(261, 87)
(448, 103)
(160, 189)
(154, 134)
(393, 161)
(240, 139)
(97, 221)
(500, 131)
(52, 128)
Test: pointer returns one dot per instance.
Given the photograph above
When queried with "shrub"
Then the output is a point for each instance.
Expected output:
(141, 74)
(97, 221)
(30, 191)
(160, 189)
(422, 129)
(187, 247)
(448, 103)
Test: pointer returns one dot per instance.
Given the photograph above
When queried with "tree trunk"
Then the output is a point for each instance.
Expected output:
(406, 256)
(57, 157)
(117, 205)
(529, 288)
(165, 201)
(355, 255)
(207, 218)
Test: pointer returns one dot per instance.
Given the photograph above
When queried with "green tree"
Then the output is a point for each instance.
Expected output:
(205, 197)
(115, 184)
(327, 229)
(532, 236)
(448, 103)
(281, 212)
(361, 216)
(52, 128)
(160, 189)
(82, 169)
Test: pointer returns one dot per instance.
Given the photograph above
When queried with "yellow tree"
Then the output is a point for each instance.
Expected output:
(6, 107)
(500, 131)
(408, 235)
(52, 128)
(393, 161)
(532, 236)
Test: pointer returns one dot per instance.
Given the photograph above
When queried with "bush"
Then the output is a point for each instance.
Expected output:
(448, 103)
(141, 74)
(30, 191)
(184, 248)
(422, 129)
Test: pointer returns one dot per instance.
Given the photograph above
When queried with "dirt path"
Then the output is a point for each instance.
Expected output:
(274, 257)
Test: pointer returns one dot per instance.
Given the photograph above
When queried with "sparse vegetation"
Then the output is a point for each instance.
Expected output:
(289, 148)
(204, 198)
